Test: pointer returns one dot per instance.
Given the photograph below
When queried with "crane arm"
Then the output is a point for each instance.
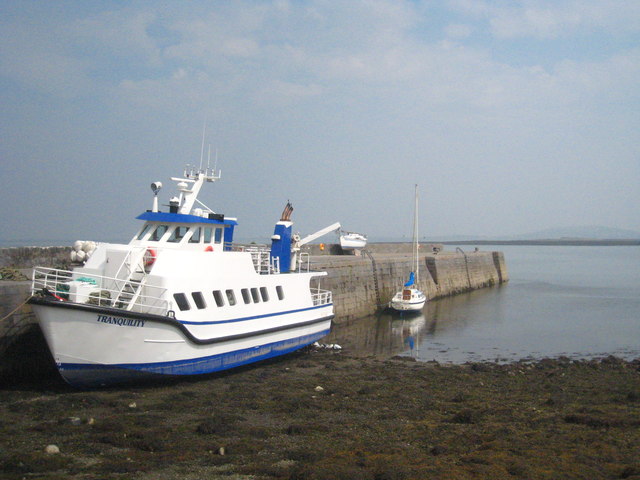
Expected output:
(313, 236)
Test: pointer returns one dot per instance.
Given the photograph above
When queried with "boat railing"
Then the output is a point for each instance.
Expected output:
(261, 257)
(78, 287)
(304, 262)
(321, 297)
(275, 264)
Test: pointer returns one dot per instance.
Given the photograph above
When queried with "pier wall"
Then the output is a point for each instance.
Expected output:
(363, 284)
(29, 257)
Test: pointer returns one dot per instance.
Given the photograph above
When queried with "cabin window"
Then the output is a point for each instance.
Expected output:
(231, 297)
(218, 235)
(159, 232)
(144, 231)
(199, 299)
(181, 300)
(264, 294)
(255, 295)
(280, 292)
(178, 234)
(217, 295)
(208, 231)
(246, 296)
(195, 236)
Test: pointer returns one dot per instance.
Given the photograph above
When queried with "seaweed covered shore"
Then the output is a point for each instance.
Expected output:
(322, 414)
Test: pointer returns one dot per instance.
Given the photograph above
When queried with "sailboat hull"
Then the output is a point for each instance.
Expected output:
(404, 306)
(408, 300)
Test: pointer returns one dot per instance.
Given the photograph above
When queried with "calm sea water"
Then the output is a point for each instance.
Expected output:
(579, 302)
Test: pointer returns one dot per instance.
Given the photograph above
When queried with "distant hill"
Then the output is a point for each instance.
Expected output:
(566, 235)
(579, 233)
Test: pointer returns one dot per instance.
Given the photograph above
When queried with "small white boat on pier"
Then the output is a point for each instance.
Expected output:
(180, 298)
(352, 240)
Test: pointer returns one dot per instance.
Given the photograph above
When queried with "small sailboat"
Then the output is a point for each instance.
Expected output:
(410, 298)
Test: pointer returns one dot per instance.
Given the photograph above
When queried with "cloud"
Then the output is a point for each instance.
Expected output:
(39, 60)
(457, 31)
(122, 33)
(548, 19)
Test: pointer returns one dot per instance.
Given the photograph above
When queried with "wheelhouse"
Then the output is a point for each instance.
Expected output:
(213, 230)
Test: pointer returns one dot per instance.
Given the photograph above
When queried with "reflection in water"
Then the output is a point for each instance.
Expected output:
(409, 329)
(390, 333)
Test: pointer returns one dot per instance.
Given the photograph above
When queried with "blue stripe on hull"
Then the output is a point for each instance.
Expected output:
(84, 375)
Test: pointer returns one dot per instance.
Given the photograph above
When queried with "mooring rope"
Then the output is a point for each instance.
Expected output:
(6, 336)
(15, 309)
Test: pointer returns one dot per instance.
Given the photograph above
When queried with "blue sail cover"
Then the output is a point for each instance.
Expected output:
(411, 280)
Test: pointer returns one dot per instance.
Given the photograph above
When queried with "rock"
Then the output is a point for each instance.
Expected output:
(133, 405)
(75, 421)
(222, 451)
(327, 346)
(8, 273)
(319, 389)
(51, 449)
(438, 450)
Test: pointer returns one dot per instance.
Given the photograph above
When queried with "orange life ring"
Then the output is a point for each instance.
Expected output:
(150, 257)
(209, 249)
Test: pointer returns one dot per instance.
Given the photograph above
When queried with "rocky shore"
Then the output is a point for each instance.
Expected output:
(322, 414)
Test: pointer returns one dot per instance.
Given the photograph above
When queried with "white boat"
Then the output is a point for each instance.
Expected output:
(180, 298)
(351, 240)
(410, 298)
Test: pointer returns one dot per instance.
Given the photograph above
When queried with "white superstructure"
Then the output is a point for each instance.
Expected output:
(181, 298)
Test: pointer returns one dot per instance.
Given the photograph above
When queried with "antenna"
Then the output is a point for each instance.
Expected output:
(204, 126)
(209, 158)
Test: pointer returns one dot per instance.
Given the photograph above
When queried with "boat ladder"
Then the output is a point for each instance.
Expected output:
(134, 279)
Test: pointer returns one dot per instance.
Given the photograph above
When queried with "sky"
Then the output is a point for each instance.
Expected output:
(511, 116)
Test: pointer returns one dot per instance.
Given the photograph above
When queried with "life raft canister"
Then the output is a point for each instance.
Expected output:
(149, 257)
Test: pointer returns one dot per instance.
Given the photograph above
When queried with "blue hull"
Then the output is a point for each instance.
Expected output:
(82, 375)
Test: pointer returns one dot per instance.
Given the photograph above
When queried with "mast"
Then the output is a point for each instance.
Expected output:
(415, 233)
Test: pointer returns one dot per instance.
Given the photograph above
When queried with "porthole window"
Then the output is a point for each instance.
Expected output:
(246, 296)
(199, 299)
(280, 292)
(181, 300)
(255, 295)
(217, 295)
(231, 297)
(264, 294)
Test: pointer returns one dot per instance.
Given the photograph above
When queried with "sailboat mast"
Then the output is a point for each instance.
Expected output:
(415, 233)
